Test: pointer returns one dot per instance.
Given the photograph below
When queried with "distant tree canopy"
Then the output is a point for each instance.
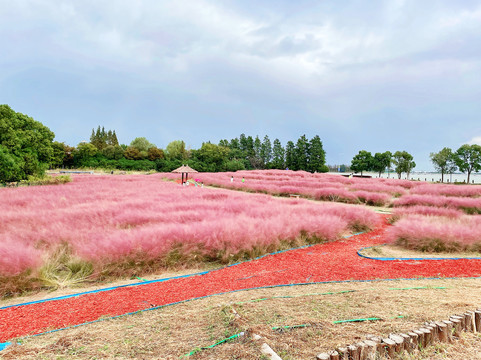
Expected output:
(362, 161)
(444, 161)
(101, 139)
(468, 159)
(404, 163)
(26, 146)
(254, 153)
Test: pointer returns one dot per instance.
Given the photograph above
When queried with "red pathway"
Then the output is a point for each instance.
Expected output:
(336, 261)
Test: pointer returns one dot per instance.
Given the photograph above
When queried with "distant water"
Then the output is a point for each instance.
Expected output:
(431, 176)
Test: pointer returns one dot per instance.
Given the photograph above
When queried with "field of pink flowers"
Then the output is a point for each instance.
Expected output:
(105, 219)
(429, 213)
(313, 186)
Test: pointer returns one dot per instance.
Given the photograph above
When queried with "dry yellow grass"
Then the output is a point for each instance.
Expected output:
(173, 331)
(395, 251)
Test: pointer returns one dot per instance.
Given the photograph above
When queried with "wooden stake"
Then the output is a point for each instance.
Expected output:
(370, 349)
(407, 342)
(456, 325)
(399, 342)
(362, 350)
(469, 319)
(333, 355)
(343, 355)
(461, 320)
(414, 344)
(389, 347)
(442, 331)
(354, 352)
(449, 329)
(427, 339)
(477, 320)
(420, 335)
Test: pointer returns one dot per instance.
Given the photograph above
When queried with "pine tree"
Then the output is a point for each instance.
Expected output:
(290, 156)
(302, 153)
(115, 142)
(266, 151)
(278, 153)
(317, 155)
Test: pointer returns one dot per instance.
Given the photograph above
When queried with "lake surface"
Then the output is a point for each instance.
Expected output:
(475, 178)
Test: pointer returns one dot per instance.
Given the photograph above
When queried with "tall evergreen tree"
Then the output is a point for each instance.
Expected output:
(257, 147)
(302, 153)
(278, 154)
(234, 144)
(115, 141)
(290, 156)
(317, 155)
(266, 151)
(243, 143)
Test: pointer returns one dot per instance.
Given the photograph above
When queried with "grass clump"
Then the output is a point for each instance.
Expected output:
(63, 269)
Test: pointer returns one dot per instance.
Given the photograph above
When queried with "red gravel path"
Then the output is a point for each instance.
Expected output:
(334, 261)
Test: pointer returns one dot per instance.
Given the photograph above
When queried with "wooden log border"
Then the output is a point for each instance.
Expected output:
(426, 335)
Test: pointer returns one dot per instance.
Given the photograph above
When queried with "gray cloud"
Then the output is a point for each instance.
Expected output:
(391, 75)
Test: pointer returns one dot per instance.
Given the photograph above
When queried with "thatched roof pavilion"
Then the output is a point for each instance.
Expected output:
(184, 169)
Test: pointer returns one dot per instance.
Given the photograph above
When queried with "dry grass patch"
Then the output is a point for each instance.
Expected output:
(172, 331)
(395, 251)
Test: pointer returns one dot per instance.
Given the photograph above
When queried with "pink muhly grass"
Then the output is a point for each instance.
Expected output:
(372, 198)
(448, 190)
(427, 211)
(437, 234)
(469, 205)
(17, 257)
(335, 194)
(108, 218)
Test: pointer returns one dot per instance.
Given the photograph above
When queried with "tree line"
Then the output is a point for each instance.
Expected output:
(27, 148)
(465, 159)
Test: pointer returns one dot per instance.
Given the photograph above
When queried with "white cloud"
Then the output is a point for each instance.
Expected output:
(475, 140)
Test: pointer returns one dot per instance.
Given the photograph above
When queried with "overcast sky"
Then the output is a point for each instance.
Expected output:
(374, 75)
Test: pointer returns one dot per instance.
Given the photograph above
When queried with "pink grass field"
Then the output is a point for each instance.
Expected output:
(437, 233)
(428, 206)
(105, 218)
(327, 187)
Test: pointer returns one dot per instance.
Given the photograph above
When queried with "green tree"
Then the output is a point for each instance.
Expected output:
(132, 153)
(113, 152)
(302, 154)
(26, 142)
(444, 162)
(317, 155)
(266, 151)
(278, 154)
(468, 159)
(175, 150)
(290, 155)
(141, 144)
(213, 156)
(58, 154)
(381, 161)
(9, 166)
(155, 153)
(361, 162)
(86, 150)
(403, 162)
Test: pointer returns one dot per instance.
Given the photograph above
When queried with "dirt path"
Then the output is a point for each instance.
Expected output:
(336, 261)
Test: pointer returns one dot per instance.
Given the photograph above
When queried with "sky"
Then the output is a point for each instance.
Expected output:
(363, 75)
